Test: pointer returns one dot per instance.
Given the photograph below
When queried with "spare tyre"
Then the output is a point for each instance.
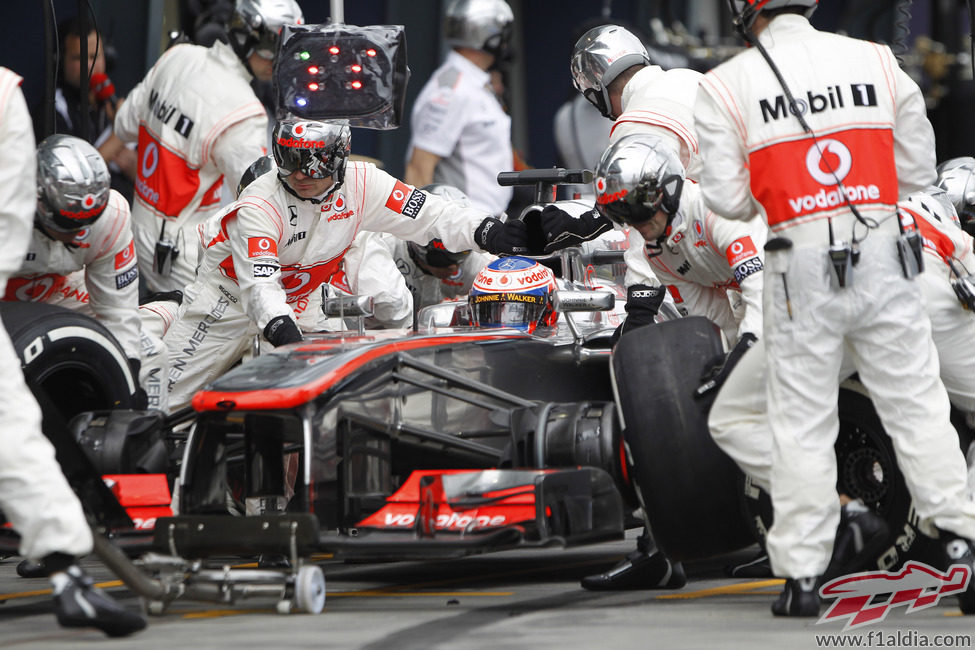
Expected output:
(687, 486)
(70, 357)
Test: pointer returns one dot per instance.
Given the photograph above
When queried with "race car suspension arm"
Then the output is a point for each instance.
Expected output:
(457, 380)
(445, 439)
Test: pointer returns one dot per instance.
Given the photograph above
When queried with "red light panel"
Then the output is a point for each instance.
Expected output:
(370, 52)
(334, 49)
(356, 67)
(313, 69)
(313, 86)
(357, 84)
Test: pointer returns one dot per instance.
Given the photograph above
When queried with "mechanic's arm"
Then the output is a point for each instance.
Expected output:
(420, 167)
(372, 272)
(393, 206)
(126, 123)
(255, 234)
(240, 144)
(725, 180)
(914, 146)
(18, 181)
(742, 244)
(112, 280)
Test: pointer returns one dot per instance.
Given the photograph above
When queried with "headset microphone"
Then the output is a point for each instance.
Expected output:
(103, 88)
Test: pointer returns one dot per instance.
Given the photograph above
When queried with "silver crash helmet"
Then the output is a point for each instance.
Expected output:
(957, 178)
(933, 203)
(479, 24)
(316, 149)
(599, 57)
(255, 26)
(434, 253)
(745, 11)
(72, 183)
(636, 176)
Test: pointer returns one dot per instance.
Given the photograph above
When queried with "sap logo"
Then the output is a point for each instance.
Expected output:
(298, 236)
(746, 268)
(862, 95)
(264, 270)
(684, 268)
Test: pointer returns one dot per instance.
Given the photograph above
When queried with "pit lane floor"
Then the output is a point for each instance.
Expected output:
(515, 599)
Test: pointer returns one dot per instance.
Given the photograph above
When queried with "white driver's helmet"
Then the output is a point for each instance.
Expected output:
(599, 56)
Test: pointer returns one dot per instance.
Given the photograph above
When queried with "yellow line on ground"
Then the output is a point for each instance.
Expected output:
(48, 592)
(397, 594)
(737, 588)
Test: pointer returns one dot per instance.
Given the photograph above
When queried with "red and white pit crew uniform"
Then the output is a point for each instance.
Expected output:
(712, 266)
(34, 495)
(197, 122)
(272, 250)
(870, 121)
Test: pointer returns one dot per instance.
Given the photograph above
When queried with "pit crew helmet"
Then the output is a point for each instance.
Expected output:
(434, 253)
(957, 178)
(744, 12)
(479, 24)
(72, 184)
(933, 202)
(316, 149)
(256, 169)
(255, 26)
(599, 56)
(513, 292)
(636, 176)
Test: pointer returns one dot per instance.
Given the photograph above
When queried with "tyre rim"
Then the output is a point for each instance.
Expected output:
(865, 469)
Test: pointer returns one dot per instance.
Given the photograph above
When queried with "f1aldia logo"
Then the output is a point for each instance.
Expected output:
(828, 161)
(916, 585)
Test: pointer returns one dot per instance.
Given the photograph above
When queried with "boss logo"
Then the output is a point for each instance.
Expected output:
(746, 268)
(123, 280)
(413, 204)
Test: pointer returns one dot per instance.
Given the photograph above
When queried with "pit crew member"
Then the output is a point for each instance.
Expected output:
(861, 122)
(81, 254)
(197, 121)
(957, 178)
(459, 132)
(287, 235)
(34, 495)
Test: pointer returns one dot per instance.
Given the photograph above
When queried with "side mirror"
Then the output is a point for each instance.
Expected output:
(348, 307)
(567, 300)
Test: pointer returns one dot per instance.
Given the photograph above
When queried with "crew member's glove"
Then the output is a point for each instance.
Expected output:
(717, 375)
(140, 399)
(563, 230)
(502, 237)
(642, 304)
(282, 330)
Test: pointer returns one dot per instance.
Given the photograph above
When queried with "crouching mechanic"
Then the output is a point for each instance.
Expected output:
(433, 273)
(287, 235)
(709, 264)
(81, 255)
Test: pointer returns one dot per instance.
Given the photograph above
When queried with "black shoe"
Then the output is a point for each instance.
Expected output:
(799, 597)
(78, 603)
(757, 567)
(958, 550)
(639, 570)
(31, 569)
(860, 536)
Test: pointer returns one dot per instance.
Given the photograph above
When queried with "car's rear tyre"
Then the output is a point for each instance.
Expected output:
(686, 484)
(70, 357)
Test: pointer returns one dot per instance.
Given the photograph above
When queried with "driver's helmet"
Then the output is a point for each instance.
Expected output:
(72, 184)
(599, 56)
(747, 10)
(434, 253)
(255, 26)
(513, 292)
(316, 149)
(957, 178)
(255, 170)
(480, 25)
(636, 176)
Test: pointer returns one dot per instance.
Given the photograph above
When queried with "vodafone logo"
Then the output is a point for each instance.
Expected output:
(398, 194)
(339, 202)
(299, 129)
(261, 247)
(88, 201)
(828, 161)
(600, 184)
(736, 248)
(150, 160)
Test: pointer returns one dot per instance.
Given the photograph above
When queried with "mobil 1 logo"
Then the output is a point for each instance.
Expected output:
(832, 97)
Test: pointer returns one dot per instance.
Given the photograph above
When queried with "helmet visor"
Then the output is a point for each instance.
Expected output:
(624, 213)
(314, 163)
(519, 310)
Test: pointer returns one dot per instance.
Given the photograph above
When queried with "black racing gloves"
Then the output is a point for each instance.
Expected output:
(563, 230)
(282, 330)
(502, 237)
(716, 376)
(642, 304)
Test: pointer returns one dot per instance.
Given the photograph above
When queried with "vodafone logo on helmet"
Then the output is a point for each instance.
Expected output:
(600, 184)
(299, 129)
(828, 161)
